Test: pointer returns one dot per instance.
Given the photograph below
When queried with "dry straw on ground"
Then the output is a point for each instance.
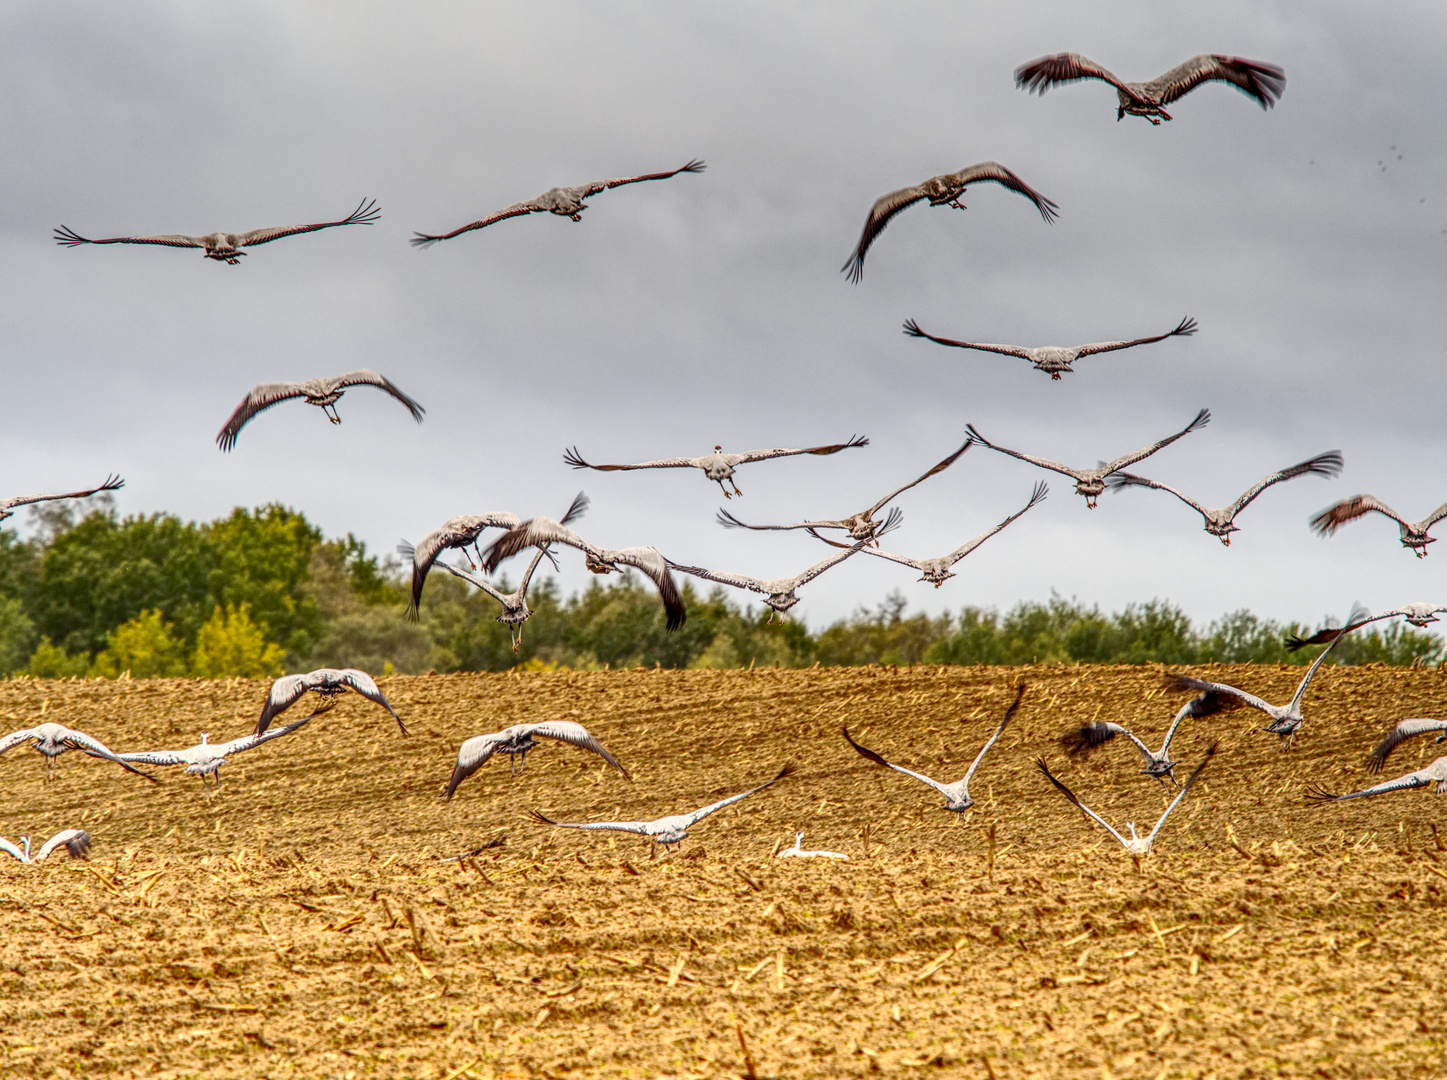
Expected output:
(306, 923)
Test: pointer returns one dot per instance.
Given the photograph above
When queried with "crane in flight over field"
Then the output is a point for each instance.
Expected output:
(7, 506)
(327, 682)
(937, 571)
(566, 202)
(944, 190)
(517, 740)
(717, 466)
(1221, 523)
(1414, 533)
(779, 593)
(1259, 81)
(665, 830)
(1434, 776)
(1091, 482)
(541, 531)
(957, 795)
(226, 247)
(52, 740)
(1419, 614)
(76, 843)
(1136, 845)
(1404, 730)
(1056, 360)
(515, 609)
(1083, 741)
(323, 393)
(206, 758)
(860, 526)
(1285, 719)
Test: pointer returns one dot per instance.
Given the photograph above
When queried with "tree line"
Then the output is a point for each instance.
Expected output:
(262, 591)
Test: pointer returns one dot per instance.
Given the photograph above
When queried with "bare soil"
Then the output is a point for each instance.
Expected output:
(309, 922)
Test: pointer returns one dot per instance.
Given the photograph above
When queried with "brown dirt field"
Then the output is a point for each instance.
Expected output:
(307, 923)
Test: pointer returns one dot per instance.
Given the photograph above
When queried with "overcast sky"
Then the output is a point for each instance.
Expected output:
(1309, 241)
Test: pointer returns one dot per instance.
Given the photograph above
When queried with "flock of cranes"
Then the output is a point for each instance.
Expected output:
(864, 528)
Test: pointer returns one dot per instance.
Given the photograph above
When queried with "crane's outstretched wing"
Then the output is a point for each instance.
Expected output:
(576, 734)
(1037, 494)
(728, 521)
(1404, 730)
(1201, 420)
(704, 811)
(651, 561)
(111, 483)
(365, 213)
(1181, 684)
(830, 448)
(89, 744)
(1185, 790)
(1435, 516)
(250, 742)
(997, 173)
(283, 695)
(824, 564)
(367, 377)
(1081, 742)
(1004, 723)
(1358, 616)
(539, 531)
(723, 577)
(1040, 75)
(1186, 328)
(1434, 774)
(426, 240)
(1328, 464)
(938, 467)
(472, 755)
(1263, 82)
(12, 850)
(1118, 481)
(68, 238)
(1329, 634)
(1044, 463)
(363, 684)
(1338, 514)
(455, 532)
(75, 841)
(694, 166)
(912, 329)
(575, 459)
(639, 827)
(865, 752)
(880, 213)
(1040, 764)
(263, 397)
(1207, 704)
(18, 738)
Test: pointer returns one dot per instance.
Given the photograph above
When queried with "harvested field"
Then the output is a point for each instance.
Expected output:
(306, 923)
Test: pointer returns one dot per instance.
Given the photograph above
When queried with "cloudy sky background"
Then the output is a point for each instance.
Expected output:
(1309, 242)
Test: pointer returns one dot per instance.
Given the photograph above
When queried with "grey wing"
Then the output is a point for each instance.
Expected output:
(365, 213)
(828, 448)
(424, 240)
(1435, 516)
(1181, 684)
(1186, 328)
(1116, 481)
(576, 734)
(68, 238)
(1400, 734)
(75, 841)
(912, 329)
(704, 811)
(17, 738)
(1040, 75)
(472, 755)
(1060, 787)
(367, 377)
(865, 752)
(531, 533)
(1185, 790)
(1084, 740)
(728, 521)
(1338, 514)
(575, 459)
(1037, 495)
(283, 695)
(157, 757)
(880, 214)
(1328, 464)
(997, 173)
(263, 397)
(1044, 463)
(1359, 616)
(723, 577)
(249, 742)
(938, 467)
(651, 561)
(639, 827)
(1004, 723)
(10, 849)
(819, 567)
(111, 483)
(1201, 420)
(89, 744)
(363, 684)
(1432, 774)
(694, 166)
(1264, 82)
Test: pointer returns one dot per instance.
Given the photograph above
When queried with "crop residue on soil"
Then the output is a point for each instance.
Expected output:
(307, 923)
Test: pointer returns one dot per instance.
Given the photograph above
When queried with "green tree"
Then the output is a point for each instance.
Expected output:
(144, 646)
(17, 636)
(884, 636)
(262, 558)
(52, 662)
(230, 644)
